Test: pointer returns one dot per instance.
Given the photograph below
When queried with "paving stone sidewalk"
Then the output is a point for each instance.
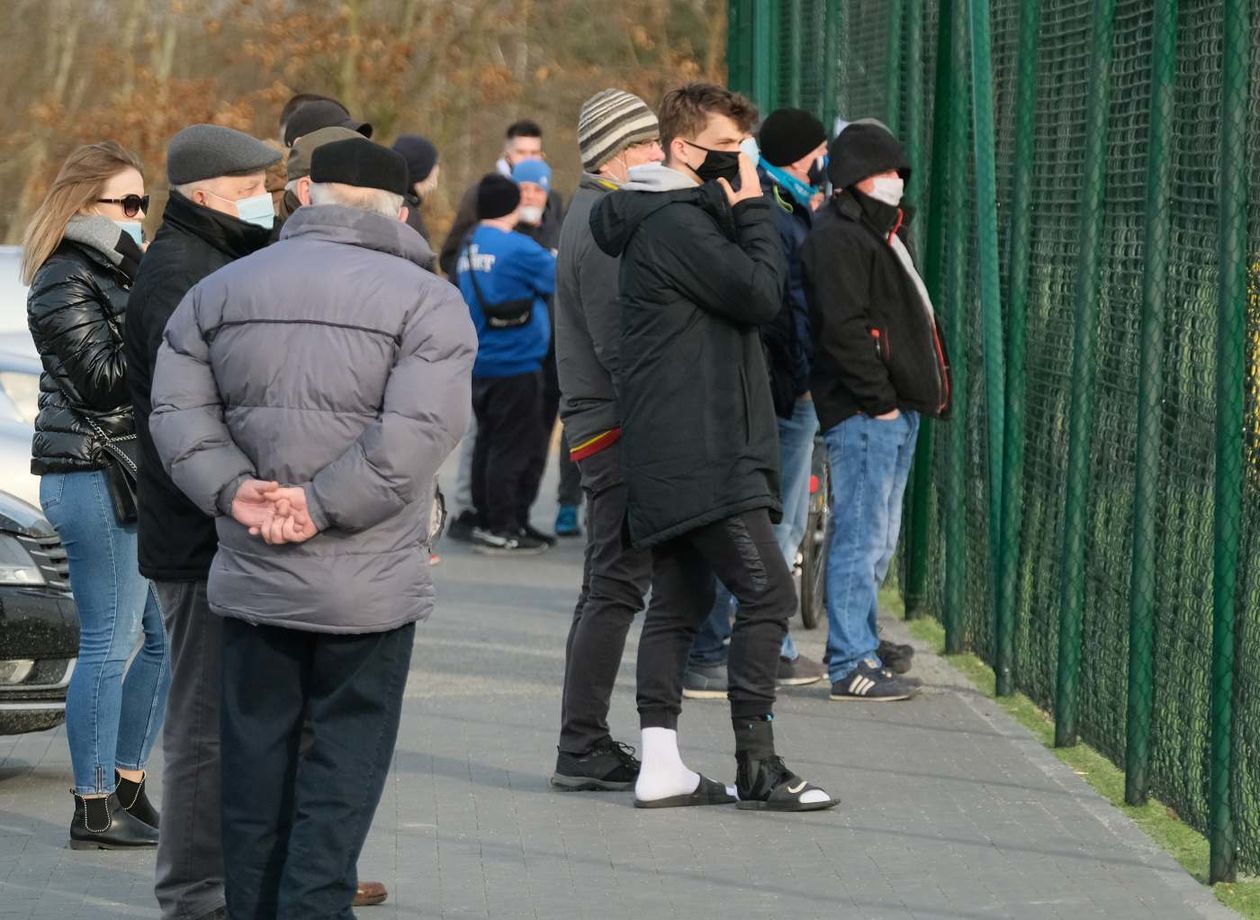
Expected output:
(950, 809)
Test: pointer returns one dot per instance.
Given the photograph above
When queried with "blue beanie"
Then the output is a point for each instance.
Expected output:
(535, 171)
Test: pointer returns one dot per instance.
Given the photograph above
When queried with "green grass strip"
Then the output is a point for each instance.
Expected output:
(1157, 820)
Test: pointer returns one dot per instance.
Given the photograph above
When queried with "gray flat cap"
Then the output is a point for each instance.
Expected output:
(206, 151)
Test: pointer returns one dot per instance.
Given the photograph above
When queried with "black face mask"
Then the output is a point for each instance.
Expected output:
(817, 173)
(718, 164)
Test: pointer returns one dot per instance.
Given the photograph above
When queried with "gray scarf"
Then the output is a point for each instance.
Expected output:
(105, 236)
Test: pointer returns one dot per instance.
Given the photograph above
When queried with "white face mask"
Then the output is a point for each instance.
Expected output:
(133, 229)
(889, 190)
(530, 214)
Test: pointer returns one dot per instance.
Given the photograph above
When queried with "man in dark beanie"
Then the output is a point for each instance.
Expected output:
(616, 132)
(879, 363)
(790, 147)
(278, 370)
(219, 210)
(506, 278)
(422, 176)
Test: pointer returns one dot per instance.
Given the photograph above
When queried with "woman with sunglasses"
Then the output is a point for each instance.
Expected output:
(80, 255)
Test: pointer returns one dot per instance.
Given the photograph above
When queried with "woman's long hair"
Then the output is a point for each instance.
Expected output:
(79, 183)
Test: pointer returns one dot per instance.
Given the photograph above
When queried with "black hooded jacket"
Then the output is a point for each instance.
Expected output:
(697, 279)
(177, 541)
(877, 345)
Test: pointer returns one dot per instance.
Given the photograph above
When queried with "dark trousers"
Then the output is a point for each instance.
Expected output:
(510, 440)
(615, 579)
(190, 848)
(294, 824)
(744, 555)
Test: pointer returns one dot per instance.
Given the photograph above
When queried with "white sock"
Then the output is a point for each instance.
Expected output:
(663, 773)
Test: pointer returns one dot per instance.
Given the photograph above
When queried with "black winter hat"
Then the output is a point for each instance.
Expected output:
(420, 154)
(788, 134)
(497, 196)
(321, 113)
(862, 150)
(357, 161)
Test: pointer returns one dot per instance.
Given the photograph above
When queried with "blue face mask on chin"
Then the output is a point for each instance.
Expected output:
(803, 192)
(133, 229)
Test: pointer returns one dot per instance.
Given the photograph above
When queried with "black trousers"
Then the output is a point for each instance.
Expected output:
(615, 579)
(510, 440)
(294, 823)
(743, 553)
(570, 489)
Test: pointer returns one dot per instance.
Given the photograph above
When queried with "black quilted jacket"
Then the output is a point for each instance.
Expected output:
(76, 308)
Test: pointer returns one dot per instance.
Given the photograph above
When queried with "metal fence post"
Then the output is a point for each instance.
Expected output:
(1230, 377)
(956, 327)
(892, 57)
(1148, 457)
(795, 27)
(831, 72)
(765, 57)
(1084, 360)
(989, 270)
(1016, 348)
(943, 89)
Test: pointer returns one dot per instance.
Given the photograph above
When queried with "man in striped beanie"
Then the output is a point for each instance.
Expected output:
(616, 132)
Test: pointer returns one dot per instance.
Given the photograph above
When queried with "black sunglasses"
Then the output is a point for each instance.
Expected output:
(131, 204)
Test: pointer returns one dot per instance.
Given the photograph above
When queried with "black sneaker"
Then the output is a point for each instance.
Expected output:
(609, 766)
(461, 526)
(800, 672)
(768, 785)
(896, 657)
(494, 543)
(705, 682)
(534, 534)
(867, 683)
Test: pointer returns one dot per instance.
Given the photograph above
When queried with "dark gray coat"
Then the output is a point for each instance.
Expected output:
(334, 361)
(588, 321)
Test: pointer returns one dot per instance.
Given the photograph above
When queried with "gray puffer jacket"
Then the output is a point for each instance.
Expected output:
(334, 361)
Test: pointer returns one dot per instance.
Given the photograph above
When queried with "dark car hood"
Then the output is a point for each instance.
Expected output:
(16, 516)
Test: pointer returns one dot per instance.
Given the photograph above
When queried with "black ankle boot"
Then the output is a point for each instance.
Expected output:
(763, 780)
(101, 823)
(136, 800)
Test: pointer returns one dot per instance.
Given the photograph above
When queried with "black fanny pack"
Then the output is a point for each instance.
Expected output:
(503, 314)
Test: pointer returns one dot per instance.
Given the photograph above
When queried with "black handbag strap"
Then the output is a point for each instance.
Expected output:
(111, 445)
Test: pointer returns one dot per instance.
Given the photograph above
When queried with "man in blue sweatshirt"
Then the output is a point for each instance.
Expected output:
(505, 278)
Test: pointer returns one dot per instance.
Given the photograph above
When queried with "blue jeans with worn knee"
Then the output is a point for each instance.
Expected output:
(870, 465)
(113, 712)
(796, 453)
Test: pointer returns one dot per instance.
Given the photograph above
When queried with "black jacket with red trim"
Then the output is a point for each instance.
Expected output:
(877, 346)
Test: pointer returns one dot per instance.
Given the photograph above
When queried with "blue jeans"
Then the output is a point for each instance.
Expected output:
(870, 464)
(111, 720)
(796, 451)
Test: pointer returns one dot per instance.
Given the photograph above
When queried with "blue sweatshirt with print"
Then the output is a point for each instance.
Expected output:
(509, 266)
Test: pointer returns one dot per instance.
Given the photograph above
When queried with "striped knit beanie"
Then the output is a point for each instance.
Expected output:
(611, 121)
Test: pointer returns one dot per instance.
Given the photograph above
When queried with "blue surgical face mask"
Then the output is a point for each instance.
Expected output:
(257, 210)
(133, 229)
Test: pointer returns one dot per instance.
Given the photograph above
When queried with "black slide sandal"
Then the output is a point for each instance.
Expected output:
(708, 792)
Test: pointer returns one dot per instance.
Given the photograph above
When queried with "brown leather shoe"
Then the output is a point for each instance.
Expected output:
(370, 894)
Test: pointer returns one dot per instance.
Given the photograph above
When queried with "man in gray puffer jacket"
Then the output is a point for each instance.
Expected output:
(334, 363)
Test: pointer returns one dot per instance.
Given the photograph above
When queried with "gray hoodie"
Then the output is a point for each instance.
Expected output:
(334, 361)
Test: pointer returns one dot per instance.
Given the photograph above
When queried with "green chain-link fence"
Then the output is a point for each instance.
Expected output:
(1089, 520)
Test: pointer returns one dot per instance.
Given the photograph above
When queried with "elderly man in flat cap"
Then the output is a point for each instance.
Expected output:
(306, 396)
(218, 211)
